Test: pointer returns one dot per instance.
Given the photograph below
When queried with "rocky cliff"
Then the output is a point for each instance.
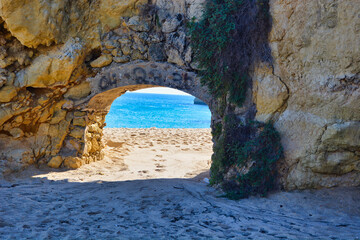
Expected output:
(64, 62)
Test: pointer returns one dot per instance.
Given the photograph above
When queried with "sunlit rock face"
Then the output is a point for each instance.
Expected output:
(316, 51)
(62, 63)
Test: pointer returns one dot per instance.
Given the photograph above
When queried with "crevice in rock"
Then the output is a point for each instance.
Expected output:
(5, 133)
(283, 107)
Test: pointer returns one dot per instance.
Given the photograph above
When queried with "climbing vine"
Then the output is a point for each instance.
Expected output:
(244, 162)
(227, 41)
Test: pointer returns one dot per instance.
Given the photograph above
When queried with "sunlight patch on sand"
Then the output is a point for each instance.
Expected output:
(150, 153)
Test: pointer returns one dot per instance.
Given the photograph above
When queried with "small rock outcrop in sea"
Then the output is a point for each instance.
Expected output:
(199, 102)
(61, 70)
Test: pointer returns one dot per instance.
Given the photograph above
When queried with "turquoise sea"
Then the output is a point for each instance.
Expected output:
(146, 110)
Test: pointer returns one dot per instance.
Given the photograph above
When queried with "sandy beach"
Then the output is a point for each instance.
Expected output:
(152, 184)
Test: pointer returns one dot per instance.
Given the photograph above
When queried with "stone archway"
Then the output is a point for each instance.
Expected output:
(117, 78)
(112, 82)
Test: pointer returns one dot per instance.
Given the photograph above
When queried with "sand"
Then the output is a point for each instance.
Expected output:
(152, 184)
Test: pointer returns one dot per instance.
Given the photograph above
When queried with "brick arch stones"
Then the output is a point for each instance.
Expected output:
(115, 80)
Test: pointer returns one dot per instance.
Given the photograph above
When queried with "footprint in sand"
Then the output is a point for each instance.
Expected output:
(159, 165)
(164, 150)
(160, 170)
(159, 160)
(185, 149)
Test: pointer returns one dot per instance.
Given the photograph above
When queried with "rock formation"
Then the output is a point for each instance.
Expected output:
(62, 63)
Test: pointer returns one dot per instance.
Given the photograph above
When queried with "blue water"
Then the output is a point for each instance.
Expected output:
(145, 110)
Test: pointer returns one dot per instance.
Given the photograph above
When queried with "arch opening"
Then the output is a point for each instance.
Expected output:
(158, 107)
(163, 148)
(111, 83)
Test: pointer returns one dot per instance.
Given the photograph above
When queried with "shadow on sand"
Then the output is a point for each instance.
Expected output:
(39, 208)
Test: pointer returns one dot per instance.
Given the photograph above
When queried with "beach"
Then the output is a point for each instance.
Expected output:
(153, 184)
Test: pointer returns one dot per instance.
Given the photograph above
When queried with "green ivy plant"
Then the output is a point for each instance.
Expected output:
(259, 156)
(227, 41)
(253, 150)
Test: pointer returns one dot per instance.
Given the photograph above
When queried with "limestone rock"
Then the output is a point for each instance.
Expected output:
(94, 128)
(79, 122)
(55, 162)
(122, 59)
(176, 41)
(5, 114)
(171, 24)
(156, 52)
(188, 54)
(16, 132)
(269, 93)
(7, 93)
(126, 49)
(73, 162)
(38, 22)
(102, 61)
(175, 57)
(80, 91)
(58, 114)
(322, 78)
(73, 145)
(138, 25)
(335, 163)
(110, 44)
(54, 68)
(58, 134)
(77, 133)
(342, 136)
(2, 82)
(27, 21)
(109, 11)
(195, 9)
(171, 8)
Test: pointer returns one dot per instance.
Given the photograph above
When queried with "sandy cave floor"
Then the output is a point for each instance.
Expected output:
(151, 186)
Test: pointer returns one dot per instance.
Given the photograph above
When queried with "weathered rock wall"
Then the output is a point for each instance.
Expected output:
(313, 94)
(45, 115)
(57, 82)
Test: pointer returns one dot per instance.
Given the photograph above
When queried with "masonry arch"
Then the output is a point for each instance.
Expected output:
(115, 80)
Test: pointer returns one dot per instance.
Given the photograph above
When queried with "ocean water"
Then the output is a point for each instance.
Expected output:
(146, 110)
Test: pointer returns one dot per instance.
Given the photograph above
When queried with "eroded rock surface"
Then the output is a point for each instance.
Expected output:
(316, 50)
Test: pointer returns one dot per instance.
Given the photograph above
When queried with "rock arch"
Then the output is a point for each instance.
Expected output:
(112, 82)
(117, 78)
